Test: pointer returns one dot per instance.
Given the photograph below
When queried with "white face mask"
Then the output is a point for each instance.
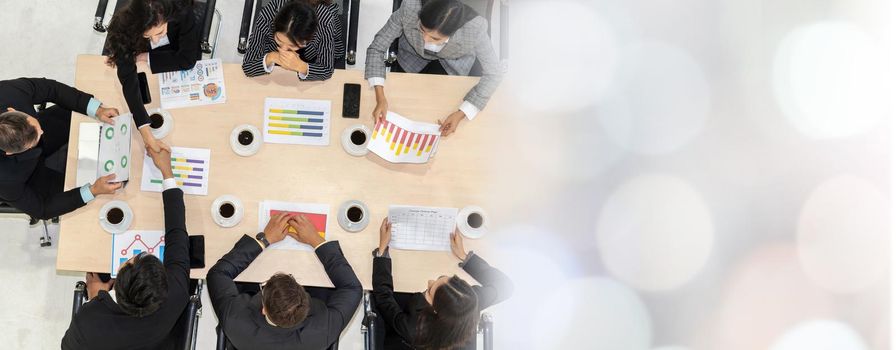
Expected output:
(435, 47)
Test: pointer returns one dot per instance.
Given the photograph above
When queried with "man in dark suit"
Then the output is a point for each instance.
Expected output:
(283, 315)
(150, 296)
(28, 138)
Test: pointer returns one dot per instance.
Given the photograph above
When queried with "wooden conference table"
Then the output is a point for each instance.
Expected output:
(456, 177)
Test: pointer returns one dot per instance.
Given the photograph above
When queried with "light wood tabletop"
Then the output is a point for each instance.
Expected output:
(458, 176)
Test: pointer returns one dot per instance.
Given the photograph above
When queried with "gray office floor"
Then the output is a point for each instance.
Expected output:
(41, 38)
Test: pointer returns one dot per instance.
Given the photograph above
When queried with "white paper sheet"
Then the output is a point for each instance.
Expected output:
(401, 140)
(190, 167)
(317, 213)
(422, 228)
(202, 85)
(297, 122)
(128, 244)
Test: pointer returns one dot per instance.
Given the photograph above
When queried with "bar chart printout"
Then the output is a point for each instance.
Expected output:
(422, 228)
(190, 167)
(132, 243)
(316, 213)
(297, 122)
(401, 140)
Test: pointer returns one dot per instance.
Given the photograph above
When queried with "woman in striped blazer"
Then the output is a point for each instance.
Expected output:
(436, 37)
(303, 36)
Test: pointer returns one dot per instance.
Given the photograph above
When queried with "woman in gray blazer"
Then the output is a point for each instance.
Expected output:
(436, 37)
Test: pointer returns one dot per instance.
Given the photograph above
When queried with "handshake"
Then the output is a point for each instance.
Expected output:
(295, 226)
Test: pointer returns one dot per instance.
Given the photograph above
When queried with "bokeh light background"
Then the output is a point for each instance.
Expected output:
(698, 175)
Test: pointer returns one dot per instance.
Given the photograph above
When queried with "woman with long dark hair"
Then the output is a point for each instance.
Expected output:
(436, 37)
(161, 33)
(303, 36)
(446, 314)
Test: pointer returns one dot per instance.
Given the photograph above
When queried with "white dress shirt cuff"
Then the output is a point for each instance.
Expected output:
(168, 184)
(86, 195)
(469, 110)
(321, 243)
(304, 76)
(376, 81)
(267, 68)
(92, 107)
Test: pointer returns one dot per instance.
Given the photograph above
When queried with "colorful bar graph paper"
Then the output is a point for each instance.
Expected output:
(300, 122)
(401, 140)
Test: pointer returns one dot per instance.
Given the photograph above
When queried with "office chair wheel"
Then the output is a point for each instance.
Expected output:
(54, 220)
(45, 242)
(33, 222)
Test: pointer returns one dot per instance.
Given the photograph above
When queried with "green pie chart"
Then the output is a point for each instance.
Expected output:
(110, 132)
(124, 161)
(124, 129)
(109, 165)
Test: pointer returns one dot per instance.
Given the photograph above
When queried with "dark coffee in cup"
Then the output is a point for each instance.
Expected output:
(358, 137)
(475, 220)
(245, 137)
(355, 214)
(156, 120)
(226, 210)
(115, 216)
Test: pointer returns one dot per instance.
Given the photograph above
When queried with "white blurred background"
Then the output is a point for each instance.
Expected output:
(699, 175)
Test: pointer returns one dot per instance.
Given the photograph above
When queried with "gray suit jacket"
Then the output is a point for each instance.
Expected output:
(466, 45)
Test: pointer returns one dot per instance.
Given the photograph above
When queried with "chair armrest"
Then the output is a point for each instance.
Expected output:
(194, 310)
(79, 296)
(351, 45)
(368, 324)
(245, 23)
(99, 15)
(504, 31)
(487, 327)
(222, 340)
(207, 19)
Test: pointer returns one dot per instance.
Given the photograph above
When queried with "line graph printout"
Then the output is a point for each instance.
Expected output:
(132, 243)
(422, 228)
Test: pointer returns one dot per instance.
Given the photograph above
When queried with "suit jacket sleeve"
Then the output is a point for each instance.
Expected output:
(343, 302)
(322, 67)
(189, 33)
(177, 251)
(496, 286)
(375, 66)
(130, 88)
(482, 92)
(40, 90)
(37, 206)
(384, 299)
(221, 288)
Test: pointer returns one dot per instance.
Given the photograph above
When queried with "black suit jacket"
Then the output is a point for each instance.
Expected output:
(182, 53)
(496, 287)
(15, 170)
(101, 324)
(240, 314)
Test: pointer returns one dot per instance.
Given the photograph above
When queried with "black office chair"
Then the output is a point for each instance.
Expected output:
(188, 321)
(204, 10)
(348, 17)
(484, 8)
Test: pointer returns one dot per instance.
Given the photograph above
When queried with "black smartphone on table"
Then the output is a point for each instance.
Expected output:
(144, 88)
(351, 100)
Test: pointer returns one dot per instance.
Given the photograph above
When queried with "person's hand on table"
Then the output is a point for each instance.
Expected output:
(290, 60)
(105, 114)
(272, 57)
(103, 185)
(95, 285)
(449, 126)
(277, 229)
(143, 57)
(382, 107)
(305, 231)
(385, 235)
(162, 160)
(457, 245)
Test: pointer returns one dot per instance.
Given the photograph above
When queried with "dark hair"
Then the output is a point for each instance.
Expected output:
(445, 16)
(125, 32)
(452, 318)
(15, 132)
(297, 19)
(142, 286)
(285, 302)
